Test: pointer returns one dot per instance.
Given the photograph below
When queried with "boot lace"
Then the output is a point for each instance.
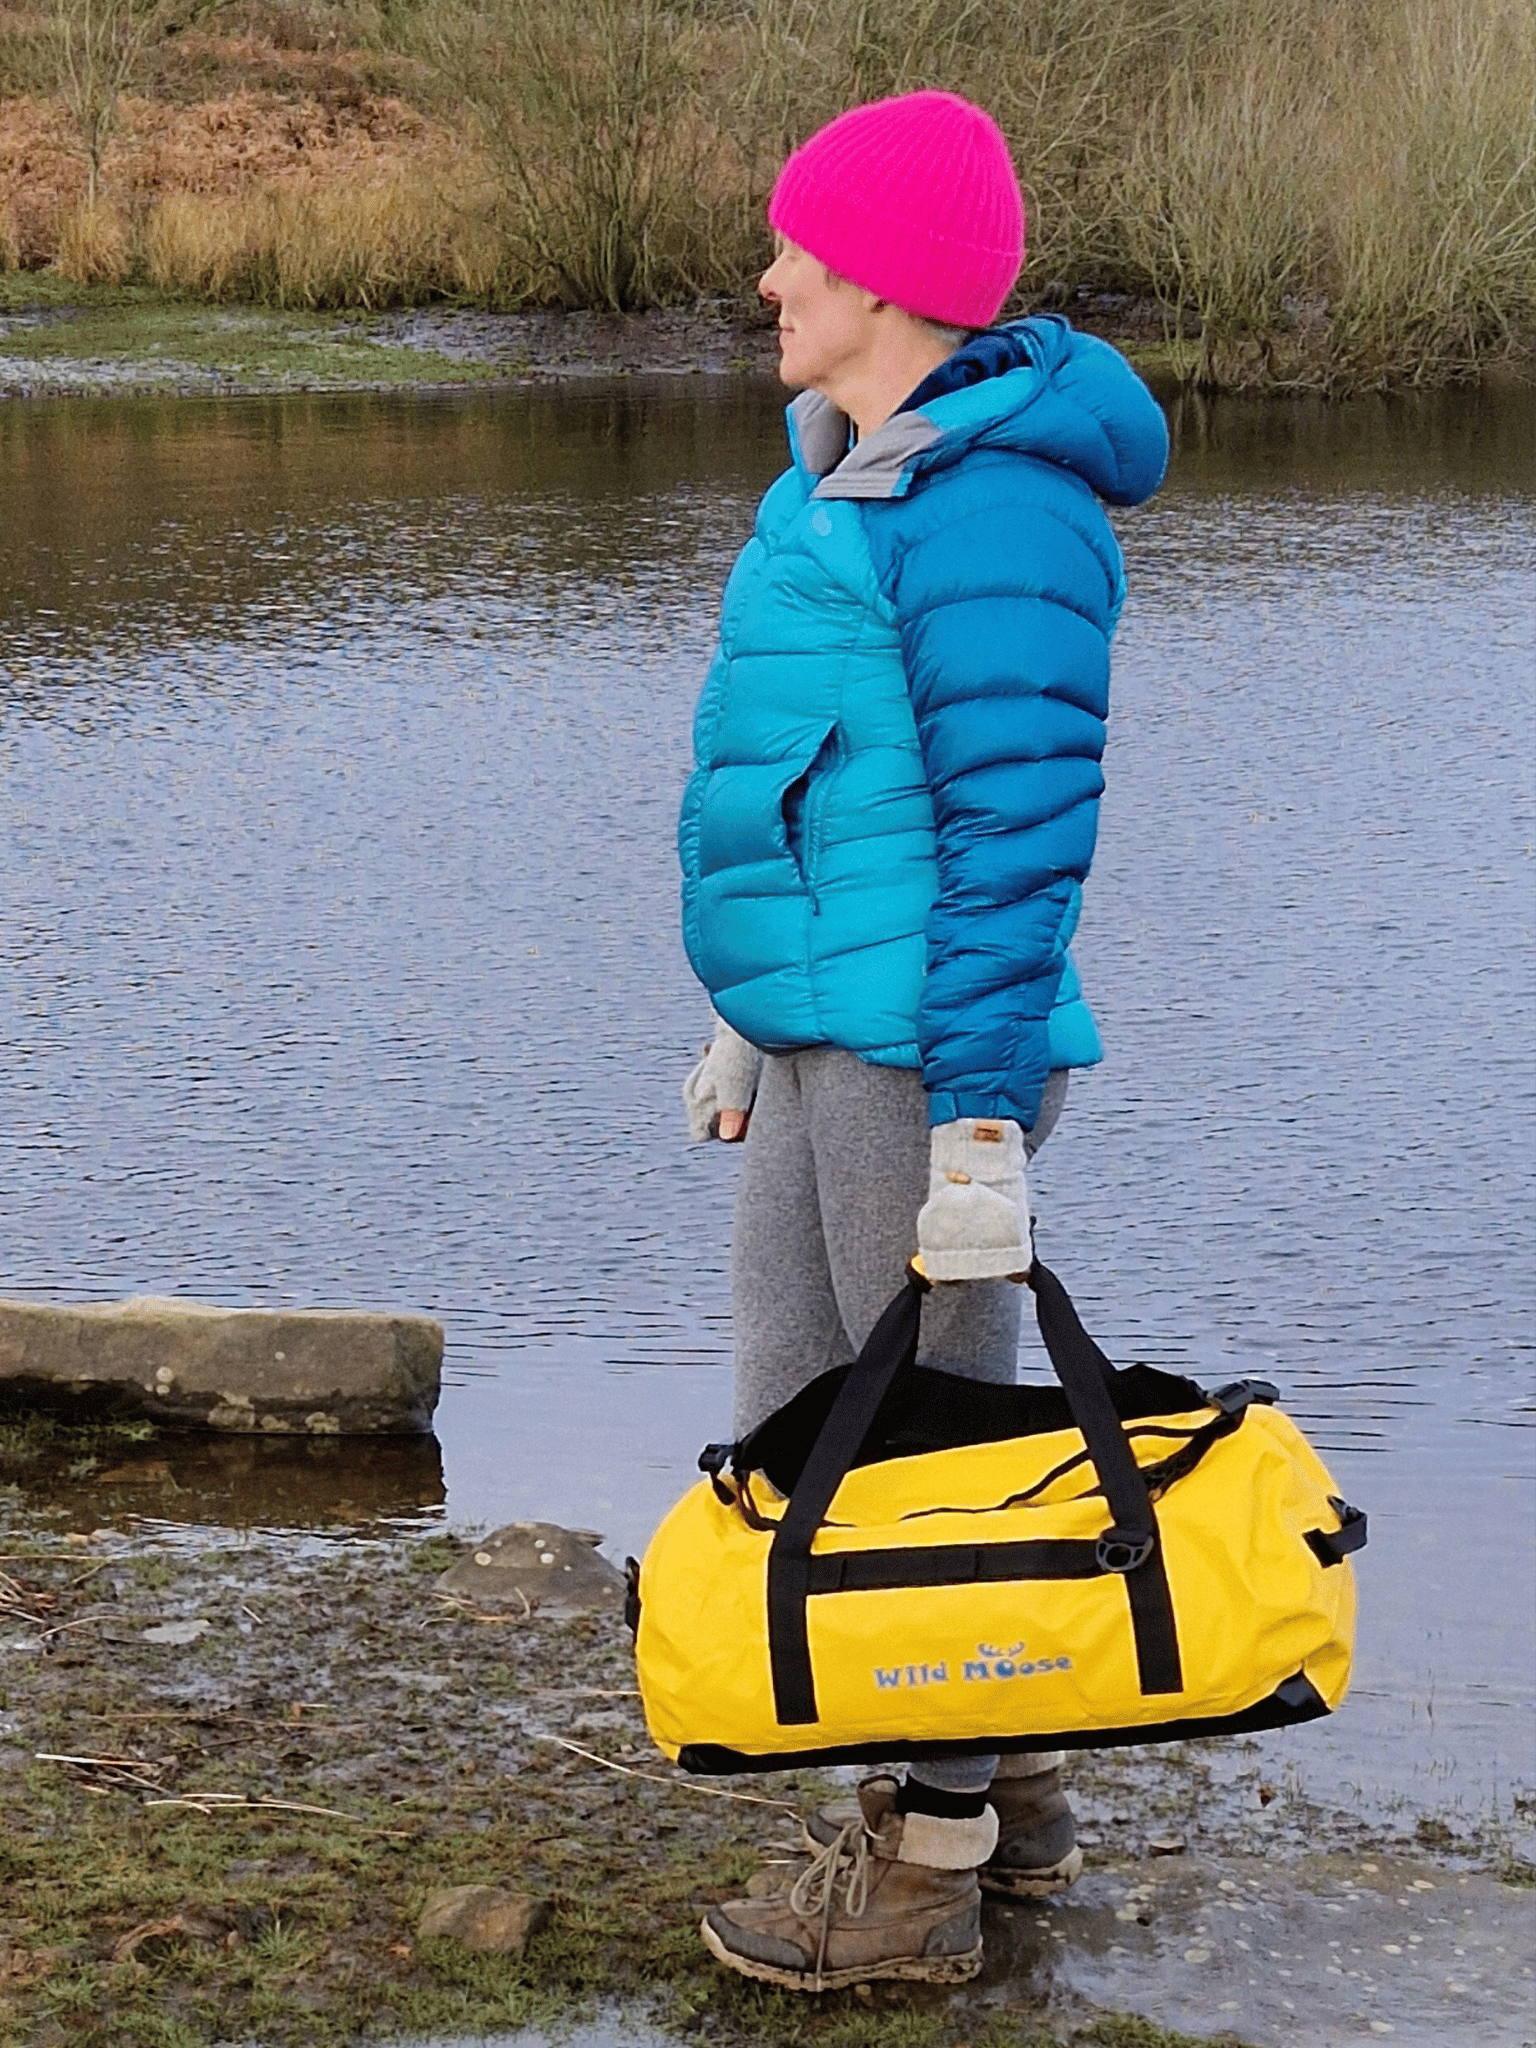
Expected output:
(842, 1867)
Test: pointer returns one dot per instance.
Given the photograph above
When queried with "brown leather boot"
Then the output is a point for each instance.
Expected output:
(1036, 1851)
(863, 1907)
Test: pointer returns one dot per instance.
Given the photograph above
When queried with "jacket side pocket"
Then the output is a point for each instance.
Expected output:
(800, 808)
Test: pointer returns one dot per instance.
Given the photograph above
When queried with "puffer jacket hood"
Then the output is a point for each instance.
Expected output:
(1036, 387)
(1044, 389)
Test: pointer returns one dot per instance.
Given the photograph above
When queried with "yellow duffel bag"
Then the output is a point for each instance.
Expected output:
(905, 1562)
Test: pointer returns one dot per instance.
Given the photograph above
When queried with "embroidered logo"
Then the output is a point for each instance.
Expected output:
(990, 1662)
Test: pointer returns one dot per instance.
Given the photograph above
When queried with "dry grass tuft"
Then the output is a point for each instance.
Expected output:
(391, 237)
(1331, 196)
(227, 173)
(93, 243)
(1435, 218)
(1349, 204)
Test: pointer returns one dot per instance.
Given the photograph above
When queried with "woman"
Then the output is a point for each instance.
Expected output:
(884, 844)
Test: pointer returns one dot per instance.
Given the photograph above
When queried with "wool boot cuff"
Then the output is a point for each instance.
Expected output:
(947, 1844)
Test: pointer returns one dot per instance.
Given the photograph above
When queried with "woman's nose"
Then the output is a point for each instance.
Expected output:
(766, 288)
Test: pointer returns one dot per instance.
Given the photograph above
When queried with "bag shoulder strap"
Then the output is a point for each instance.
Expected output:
(891, 1348)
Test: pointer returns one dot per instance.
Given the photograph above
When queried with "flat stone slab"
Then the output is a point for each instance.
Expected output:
(537, 1567)
(190, 1365)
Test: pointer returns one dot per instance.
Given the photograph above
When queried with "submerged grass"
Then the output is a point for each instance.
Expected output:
(26, 1436)
(1315, 195)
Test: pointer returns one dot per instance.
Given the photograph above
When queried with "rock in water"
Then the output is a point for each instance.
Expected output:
(556, 1571)
(483, 1917)
(320, 1372)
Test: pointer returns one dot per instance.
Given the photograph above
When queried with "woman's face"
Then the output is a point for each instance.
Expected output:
(825, 324)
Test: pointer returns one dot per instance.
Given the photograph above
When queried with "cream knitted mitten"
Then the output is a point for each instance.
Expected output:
(725, 1078)
(975, 1222)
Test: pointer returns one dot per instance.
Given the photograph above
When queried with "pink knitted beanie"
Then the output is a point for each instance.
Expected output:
(914, 199)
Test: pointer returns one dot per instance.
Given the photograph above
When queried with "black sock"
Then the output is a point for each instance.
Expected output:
(916, 1797)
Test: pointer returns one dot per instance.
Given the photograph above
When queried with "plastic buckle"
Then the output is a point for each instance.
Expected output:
(1332, 1546)
(1117, 1552)
(713, 1459)
(1236, 1395)
(1352, 1523)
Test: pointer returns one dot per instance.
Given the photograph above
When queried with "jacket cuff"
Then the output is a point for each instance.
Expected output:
(949, 1105)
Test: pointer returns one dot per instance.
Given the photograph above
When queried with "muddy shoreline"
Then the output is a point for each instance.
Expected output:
(284, 1742)
(56, 342)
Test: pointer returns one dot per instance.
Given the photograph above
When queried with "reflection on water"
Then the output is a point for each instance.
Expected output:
(239, 1481)
(342, 740)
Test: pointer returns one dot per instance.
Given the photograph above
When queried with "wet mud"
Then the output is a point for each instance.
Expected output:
(268, 1749)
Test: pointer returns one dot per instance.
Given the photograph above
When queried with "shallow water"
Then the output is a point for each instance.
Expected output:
(341, 742)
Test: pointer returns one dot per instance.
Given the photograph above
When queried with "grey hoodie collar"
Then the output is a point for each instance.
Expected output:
(876, 467)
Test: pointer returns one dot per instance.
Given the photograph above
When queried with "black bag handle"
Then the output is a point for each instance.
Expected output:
(1086, 1376)
(890, 1348)
(1129, 1546)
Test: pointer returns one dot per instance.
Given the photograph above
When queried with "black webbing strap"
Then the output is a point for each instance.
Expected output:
(954, 1564)
(1131, 1545)
(892, 1345)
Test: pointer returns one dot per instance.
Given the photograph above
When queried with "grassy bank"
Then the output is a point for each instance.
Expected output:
(100, 339)
(236, 1763)
(235, 1839)
(235, 1766)
(1336, 196)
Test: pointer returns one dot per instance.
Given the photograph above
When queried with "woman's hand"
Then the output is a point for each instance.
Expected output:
(975, 1222)
(720, 1091)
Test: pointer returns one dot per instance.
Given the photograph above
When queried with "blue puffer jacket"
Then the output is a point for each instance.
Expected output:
(896, 794)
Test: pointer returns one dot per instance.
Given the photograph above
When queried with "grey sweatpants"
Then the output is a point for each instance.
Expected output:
(834, 1171)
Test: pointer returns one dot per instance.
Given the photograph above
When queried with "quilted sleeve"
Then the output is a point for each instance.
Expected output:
(1006, 583)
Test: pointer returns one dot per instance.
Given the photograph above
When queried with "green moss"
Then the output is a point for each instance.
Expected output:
(172, 343)
(1122, 2031)
(436, 1554)
(26, 1436)
(24, 291)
